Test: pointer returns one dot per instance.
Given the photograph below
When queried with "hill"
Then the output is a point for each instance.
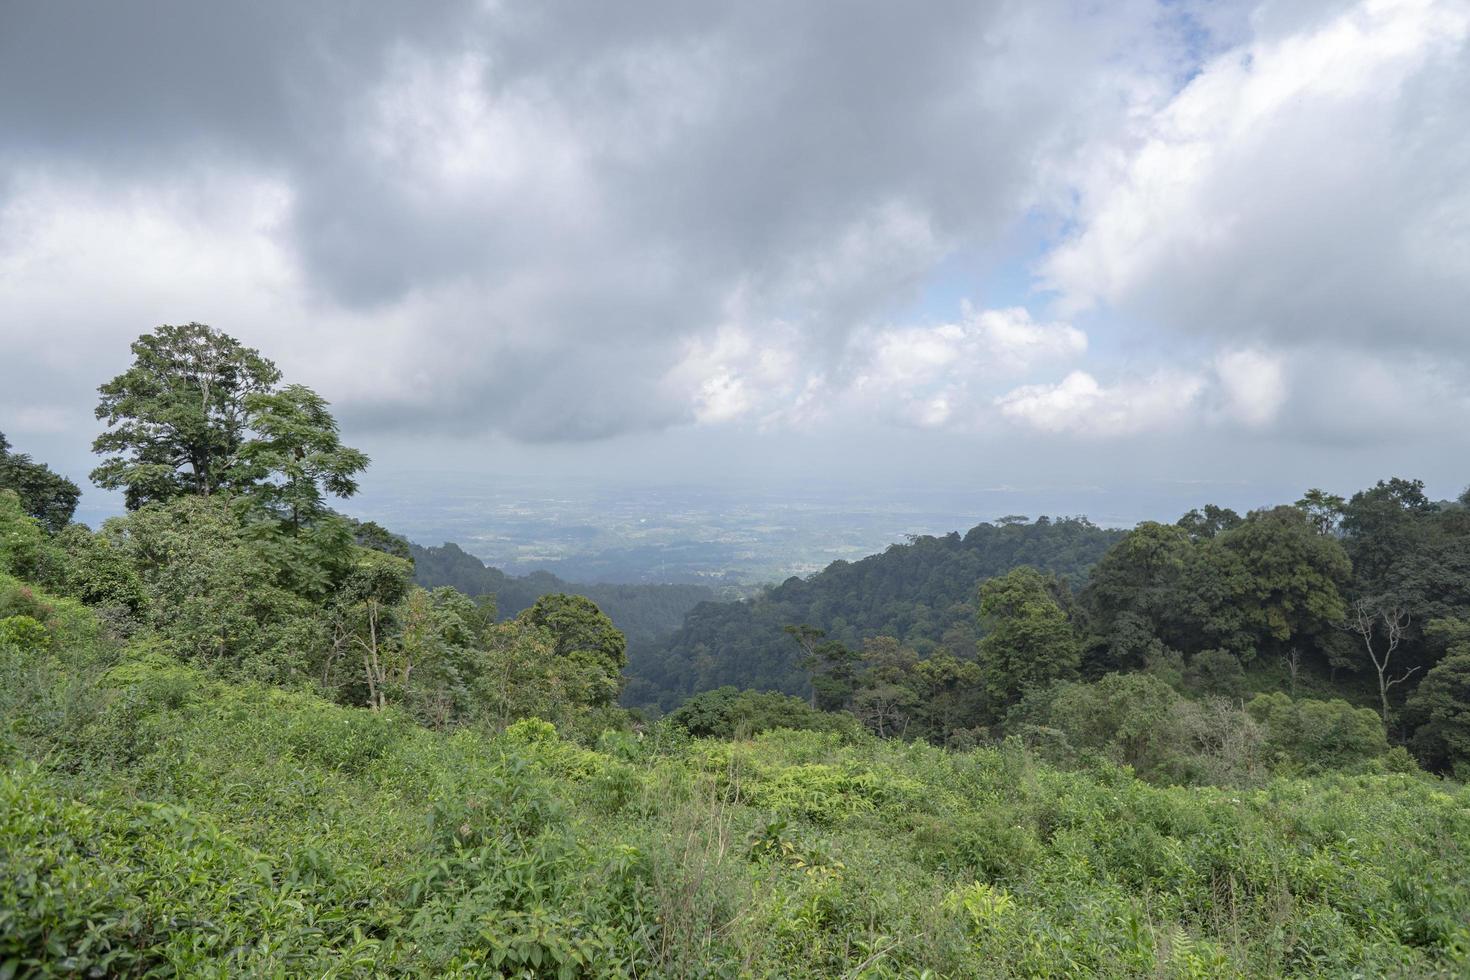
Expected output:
(642, 612)
(921, 592)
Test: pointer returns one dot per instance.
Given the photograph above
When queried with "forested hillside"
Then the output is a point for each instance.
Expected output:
(921, 593)
(643, 612)
(238, 740)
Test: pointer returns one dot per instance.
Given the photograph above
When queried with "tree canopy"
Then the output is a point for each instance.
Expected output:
(176, 419)
(1029, 642)
(45, 495)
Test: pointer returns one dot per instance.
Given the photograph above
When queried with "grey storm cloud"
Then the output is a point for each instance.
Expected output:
(566, 194)
(566, 222)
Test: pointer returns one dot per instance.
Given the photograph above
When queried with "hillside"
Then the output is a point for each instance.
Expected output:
(642, 612)
(157, 821)
(921, 592)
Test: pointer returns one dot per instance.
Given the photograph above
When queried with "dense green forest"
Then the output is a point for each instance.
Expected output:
(644, 613)
(238, 739)
(921, 593)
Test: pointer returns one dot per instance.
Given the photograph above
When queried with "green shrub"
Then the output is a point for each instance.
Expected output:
(1319, 736)
(158, 820)
(728, 712)
(24, 633)
(22, 542)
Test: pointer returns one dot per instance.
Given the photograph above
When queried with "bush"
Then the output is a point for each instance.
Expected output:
(728, 712)
(22, 542)
(1318, 736)
(1139, 721)
(257, 832)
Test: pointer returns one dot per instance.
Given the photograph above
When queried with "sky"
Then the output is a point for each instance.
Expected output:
(1020, 244)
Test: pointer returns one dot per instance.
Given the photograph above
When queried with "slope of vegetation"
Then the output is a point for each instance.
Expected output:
(644, 613)
(921, 593)
(154, 819)
(238, 740)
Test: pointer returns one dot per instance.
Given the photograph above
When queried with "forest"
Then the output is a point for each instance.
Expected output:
(921, 593)
(243, 735)
(643, 613)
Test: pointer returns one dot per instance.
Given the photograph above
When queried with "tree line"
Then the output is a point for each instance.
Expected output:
(1309, 634)
(920, 593)
(645, 613)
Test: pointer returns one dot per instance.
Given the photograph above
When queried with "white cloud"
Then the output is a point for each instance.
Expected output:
(1254, 385)
(1312, 183)
(559, 225)
(1017, 342)
(935, 376)
(1079, 405)
(738, 372)
(940, 375)
(989, 343)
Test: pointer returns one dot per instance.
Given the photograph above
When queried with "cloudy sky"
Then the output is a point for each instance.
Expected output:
(1026, 243)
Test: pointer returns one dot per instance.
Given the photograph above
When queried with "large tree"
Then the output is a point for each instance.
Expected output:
(1136, 594)
(1029, 642)
(1383, 525)
(1204, 524)
(178, 416)
(1264, 584)
(295, 455)
(1323, 509)
(48, 497)
(1293, 577)
(582, 634)
(1441, 703)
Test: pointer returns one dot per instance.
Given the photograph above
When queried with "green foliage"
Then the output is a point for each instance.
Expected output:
(295, 456)
(1029, 643)
(203, 827)
(644, 613)
(1260, 585)
(46, 496)
(1292, 577)
(370, 534)
(1383, 525)
(72, 626)
(97, 569)
(21, 538)
(1139, 721)
(921, 593)
(177, 417)
(1319, 736)
(1441, 703)
(1323, 509)
(731, 713)
(833, 668)
(211, 595)
(584, 637)
(1204, 524)
(24, 633)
